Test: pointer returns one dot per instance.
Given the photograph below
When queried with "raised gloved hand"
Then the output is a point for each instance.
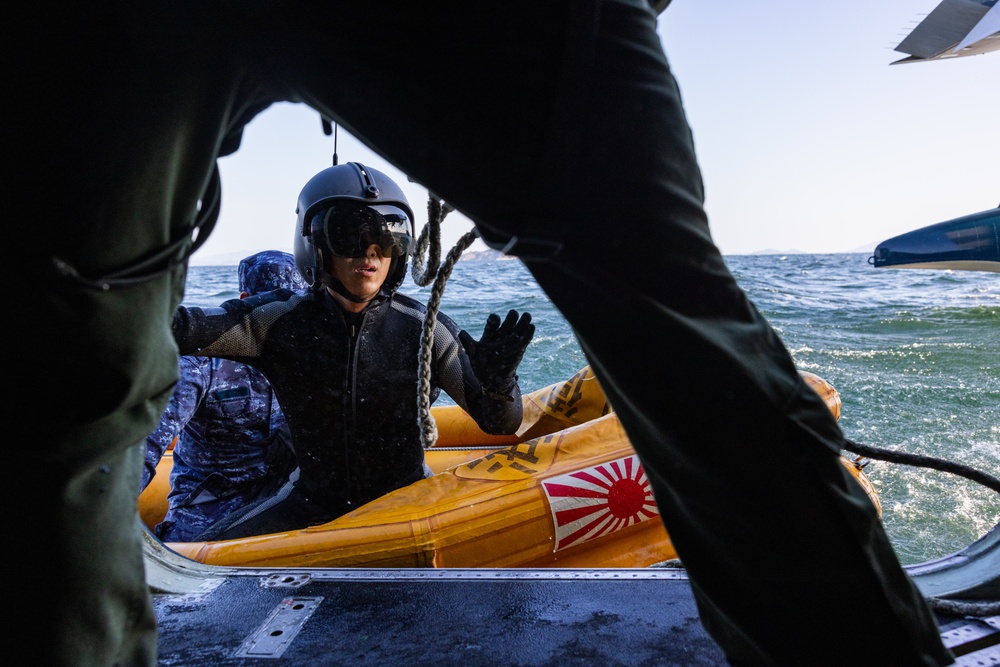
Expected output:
(496, 355)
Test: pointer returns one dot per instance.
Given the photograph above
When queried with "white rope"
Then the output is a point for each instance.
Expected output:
(430, 242)
(980, 609)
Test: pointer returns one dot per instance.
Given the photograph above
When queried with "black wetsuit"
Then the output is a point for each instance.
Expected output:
(347, 384)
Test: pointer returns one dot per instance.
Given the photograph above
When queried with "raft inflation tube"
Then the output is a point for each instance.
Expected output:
(566, 491)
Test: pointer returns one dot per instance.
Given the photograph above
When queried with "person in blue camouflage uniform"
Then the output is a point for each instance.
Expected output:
(231, 445)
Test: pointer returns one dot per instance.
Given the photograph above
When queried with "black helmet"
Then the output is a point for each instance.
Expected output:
(341, 211)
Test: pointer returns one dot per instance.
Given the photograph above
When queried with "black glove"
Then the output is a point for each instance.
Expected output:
(496, 355)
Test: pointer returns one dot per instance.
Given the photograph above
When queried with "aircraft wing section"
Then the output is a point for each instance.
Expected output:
(953, 29)
(969, 243)
(988, 26)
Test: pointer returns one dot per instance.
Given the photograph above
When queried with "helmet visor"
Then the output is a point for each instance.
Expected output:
(351, 228)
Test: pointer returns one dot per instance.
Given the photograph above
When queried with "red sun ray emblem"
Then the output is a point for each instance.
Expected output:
(599, 500)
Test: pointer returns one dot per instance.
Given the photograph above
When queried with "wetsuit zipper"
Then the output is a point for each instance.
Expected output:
(354, 329)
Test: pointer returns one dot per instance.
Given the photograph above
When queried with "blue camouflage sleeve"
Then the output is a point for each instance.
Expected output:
(195, 377)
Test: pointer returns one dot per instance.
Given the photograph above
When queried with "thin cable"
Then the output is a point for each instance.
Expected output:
(161, 261)
(923, 461)
(952, 607)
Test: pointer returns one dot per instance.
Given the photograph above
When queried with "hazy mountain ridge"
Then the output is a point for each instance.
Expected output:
(233, 258)
(867, 248)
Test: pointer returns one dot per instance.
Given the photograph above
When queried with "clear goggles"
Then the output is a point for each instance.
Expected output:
(352, 227)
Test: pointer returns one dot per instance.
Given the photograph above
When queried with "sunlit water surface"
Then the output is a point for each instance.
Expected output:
(913, 353)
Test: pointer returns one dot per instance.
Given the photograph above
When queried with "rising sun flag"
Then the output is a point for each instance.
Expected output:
(599, 500)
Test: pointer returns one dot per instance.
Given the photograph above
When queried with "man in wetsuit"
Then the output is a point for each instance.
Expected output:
(558, 128)
(344, 357)
(231, 446)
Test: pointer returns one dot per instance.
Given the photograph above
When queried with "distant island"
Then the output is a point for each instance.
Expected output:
(490, 255)
(771, 251)
(487, 255)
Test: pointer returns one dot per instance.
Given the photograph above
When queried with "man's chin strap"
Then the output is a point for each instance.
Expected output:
(338, 287)
(397, 272)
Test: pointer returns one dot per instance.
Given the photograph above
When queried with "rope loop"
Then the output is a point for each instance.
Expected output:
(430, 243)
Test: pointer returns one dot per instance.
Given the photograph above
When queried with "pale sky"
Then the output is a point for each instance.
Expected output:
(807, 138)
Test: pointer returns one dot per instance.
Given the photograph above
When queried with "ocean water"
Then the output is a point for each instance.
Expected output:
(914, 354)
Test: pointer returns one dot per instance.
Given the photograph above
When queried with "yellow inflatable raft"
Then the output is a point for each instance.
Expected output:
(566, 491)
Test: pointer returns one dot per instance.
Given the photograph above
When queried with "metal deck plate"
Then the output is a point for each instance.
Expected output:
(279, 629)
(438, 617)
